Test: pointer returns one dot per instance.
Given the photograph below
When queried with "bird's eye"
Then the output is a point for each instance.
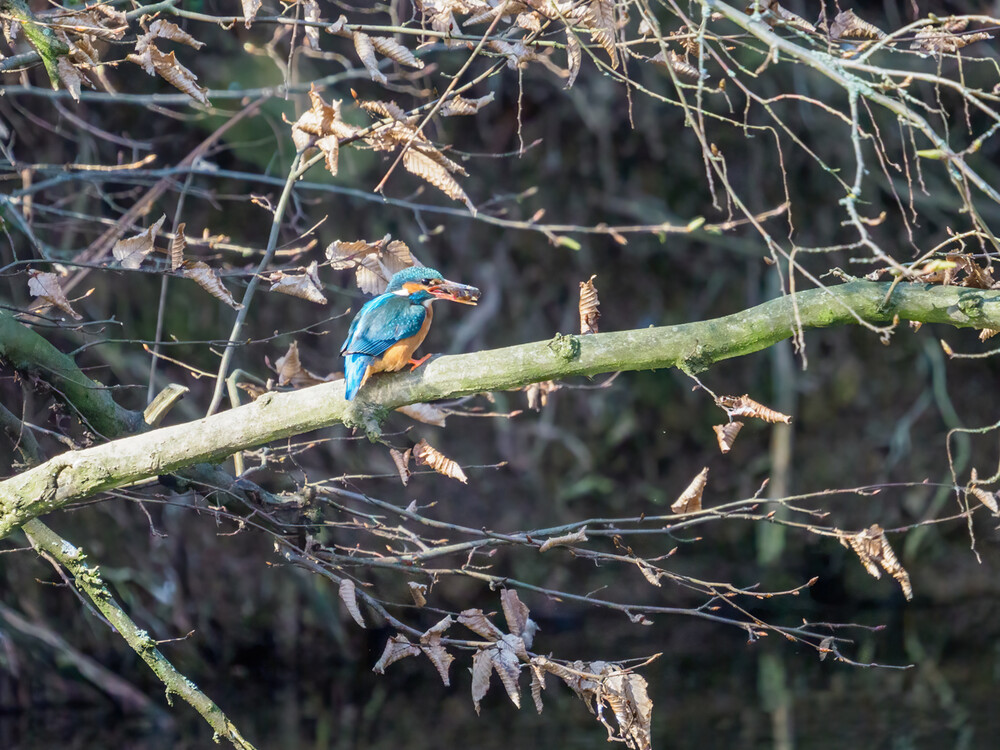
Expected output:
(428, 282)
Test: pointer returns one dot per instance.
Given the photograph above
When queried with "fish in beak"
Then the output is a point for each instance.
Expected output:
(449, 290)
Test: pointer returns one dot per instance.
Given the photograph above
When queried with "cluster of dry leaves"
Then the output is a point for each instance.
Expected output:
(600, 685)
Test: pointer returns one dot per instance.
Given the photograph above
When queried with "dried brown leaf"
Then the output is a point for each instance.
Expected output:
(482, 668)
(426, 413)
(538, 393)
(427, 168)
(311, 13)
(508, 667)
(744, 406)
(167, 30)
(514, 610)
(726, 434)
(389, 47)
(565, 540)
(250, 8)
(459, 105)
(208, 279)
(70, 76)
(529, 22)
(402, 461)
(424, 453)
(626, 694)
(988, 499)
(941, 41)
(574, 57)
(871, 546)
(305, 284)
(438, 655)
(398, 647)
(47, 288)
(366, 53)
(650, 573)
(437, 629)
(418, 592)
(537, 686)
(589, 306)
(478, 623)
(291, 372)
(177, 247)
(847, 25)
(349, 595)
(131, 252)
(600, 22)
(690, 499)
(677, 63)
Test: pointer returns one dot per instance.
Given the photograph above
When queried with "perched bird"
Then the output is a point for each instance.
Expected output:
(388, 329)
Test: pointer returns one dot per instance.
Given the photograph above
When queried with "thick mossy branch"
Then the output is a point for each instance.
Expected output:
(693, 346)
(26, 351)
(47, 44)
(88, 580)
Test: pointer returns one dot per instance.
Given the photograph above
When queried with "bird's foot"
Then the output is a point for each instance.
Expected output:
(415, 363)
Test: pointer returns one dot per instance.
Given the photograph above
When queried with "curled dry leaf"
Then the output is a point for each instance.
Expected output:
(47, 288)
(514, 611)
(690, 499)
(538, 393)
(425, 167)
(426, 413)
(427, 455)
(600, 22)
(321, 126)
(70, 76)
(575, 537)
(574, 57)
(374, 262)
(871, 546)
(677, 63)
(208, 279)
(726, 434)
(398, 647)
(847, 25)
(430, 644)
(482, 668)
(504, 655)
(177, 247)
(744, 406)
(589, 306)
(305, 284)
(366, 53)
(311, 13)
(988, 499)
(459, 105)
(250, 8)
(132, 251)
(650, 573)
(537, 686)
(349, 595)
(291, 372)
(477, 622)
(940, 40)
(149, 57)
(389, 47)
(418, 591)
(402, 462)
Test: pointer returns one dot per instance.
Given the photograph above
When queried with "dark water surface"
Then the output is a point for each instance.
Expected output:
(711, 689)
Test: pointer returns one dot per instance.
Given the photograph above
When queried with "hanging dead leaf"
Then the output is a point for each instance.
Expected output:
(430, 644)
(398, 647)
(402, 462)
(871, 546)
(132, 251)
(424, 453)
(426, 413)
(600, 23)
(208, 279)
(458, 105)
(626, 694)
(975, 276)
(726, 434)
(389, 47)
(250, 8)
(650, 573)
(311, 13)
(940, 40)
(477, 622)
(482, 668)
(744, 406)
(589, 306)
(538, 393)
(70, 76)
(177, 247)
(565, 540)
(366, 53)
(47, 288)
(305, 284)
(291, 372)
(349, 595)
(574, 57)
(514, 611)
(508, 666)
(847, 25)
(163, 28)
(988, 499)
(149, 57)
(427, 168)
(418, 592)
(677, 63)
(537, 686)
(322, 127)
(690, 499)
(374, 262)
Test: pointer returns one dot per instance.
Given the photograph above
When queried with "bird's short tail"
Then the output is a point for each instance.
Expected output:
(355, 367)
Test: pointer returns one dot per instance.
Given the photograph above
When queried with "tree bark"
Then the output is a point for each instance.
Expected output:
(693, 347)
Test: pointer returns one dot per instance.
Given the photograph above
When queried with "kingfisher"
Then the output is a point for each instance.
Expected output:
(388, 329)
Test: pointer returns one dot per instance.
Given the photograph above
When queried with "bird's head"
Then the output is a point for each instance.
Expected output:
(421, 283)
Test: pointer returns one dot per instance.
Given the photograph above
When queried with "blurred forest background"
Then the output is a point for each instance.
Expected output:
(610, 176)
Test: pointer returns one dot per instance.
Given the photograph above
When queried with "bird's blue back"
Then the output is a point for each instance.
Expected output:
(380, 323)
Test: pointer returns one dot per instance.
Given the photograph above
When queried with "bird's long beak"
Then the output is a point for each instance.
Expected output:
(449, 290)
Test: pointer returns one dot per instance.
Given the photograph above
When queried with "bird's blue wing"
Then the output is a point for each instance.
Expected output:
(381, 323)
